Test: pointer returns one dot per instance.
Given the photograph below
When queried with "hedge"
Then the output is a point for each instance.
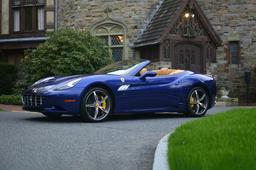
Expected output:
(10, 99)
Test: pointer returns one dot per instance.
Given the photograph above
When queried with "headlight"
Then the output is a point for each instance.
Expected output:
(67, 85)
(43, 80)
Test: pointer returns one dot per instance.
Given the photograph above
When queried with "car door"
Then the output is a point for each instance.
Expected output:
(151, 93)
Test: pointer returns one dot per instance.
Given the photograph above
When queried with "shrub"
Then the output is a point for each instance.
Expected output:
(10, 99)
(8, 77)
(66, 52)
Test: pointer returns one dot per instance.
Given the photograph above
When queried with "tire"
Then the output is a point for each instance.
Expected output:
(52, 115)
(97, 105)
(197, 102)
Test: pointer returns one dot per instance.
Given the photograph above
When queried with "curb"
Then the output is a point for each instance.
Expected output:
(226, 104)
(160, 158)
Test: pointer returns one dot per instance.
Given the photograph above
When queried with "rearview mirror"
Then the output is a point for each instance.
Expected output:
(148, 74)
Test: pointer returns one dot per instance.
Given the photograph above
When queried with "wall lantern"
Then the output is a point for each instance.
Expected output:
(188, 20)
(189, 15)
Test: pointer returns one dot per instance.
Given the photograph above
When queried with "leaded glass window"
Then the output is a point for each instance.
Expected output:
(113, 37)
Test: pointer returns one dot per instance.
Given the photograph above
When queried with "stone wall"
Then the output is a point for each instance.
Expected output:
(233, 20)
(83, 14)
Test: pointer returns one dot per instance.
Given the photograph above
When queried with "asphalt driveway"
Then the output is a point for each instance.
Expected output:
(29, 141)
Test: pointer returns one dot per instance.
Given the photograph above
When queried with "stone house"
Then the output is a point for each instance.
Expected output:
(207, 36)
(23, 24)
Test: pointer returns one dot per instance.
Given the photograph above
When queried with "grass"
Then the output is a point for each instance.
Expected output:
(226, 141)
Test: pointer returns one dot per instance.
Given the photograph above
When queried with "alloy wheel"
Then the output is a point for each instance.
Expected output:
(198, 101)
(97, 104)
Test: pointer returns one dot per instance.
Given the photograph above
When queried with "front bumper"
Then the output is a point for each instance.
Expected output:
(53, 101)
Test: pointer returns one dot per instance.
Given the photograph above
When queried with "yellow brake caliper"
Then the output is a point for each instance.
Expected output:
(191, 101)
(104, 103)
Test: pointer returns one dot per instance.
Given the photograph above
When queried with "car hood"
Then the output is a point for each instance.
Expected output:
(55, 80)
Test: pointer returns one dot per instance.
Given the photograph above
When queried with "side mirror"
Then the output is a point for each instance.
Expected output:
(148, 74)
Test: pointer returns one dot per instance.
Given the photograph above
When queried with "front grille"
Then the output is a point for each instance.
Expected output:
(33, 100)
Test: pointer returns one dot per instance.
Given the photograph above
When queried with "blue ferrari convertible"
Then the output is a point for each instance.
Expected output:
(124, 87)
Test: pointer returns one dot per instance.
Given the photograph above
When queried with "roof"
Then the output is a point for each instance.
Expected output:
(165, 18)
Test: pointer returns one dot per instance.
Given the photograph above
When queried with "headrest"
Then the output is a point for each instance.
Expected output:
(143, 71)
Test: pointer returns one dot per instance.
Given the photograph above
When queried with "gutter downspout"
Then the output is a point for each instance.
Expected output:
(56, 15)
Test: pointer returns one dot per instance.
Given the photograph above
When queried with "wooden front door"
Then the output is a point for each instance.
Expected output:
(189, 57)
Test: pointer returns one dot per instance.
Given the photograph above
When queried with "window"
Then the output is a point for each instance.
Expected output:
(16, 20)
(40, 19)
(28, 15)
(234, 51)
(112, 35)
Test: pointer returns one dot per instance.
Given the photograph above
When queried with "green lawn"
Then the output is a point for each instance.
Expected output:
(226, 141)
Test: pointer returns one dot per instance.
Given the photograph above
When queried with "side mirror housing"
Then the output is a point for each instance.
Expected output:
(148, 74)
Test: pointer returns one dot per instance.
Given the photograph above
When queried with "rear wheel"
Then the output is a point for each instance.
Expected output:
(197, 102)
(96, 105)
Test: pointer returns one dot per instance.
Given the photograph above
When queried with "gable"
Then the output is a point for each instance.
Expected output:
(164, 15)
(169, 17)
(188, 25)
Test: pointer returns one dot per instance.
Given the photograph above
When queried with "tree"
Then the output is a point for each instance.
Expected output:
(66, 52)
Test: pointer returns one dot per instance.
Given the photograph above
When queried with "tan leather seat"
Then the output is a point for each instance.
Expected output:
(144, 70)
(176, 72)
(166, 71)
(162, 71)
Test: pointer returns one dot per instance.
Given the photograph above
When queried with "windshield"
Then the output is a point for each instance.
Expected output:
(119, 68)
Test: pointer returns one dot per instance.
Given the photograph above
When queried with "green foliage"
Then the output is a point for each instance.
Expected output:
(66, 52)
(7, 78)
(10, 99)
(225, 141)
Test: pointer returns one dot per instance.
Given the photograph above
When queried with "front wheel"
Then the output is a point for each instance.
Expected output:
(197, 102)
(96, 105)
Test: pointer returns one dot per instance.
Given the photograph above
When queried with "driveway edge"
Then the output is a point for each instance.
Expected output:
(161, 158)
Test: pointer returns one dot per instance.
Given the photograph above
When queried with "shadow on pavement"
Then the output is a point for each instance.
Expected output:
(112, 118)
